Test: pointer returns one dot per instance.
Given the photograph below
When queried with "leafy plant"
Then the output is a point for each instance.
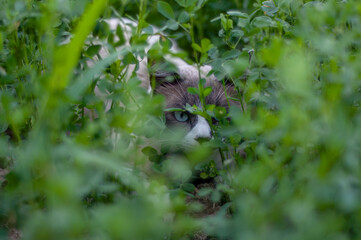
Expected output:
(290, 152)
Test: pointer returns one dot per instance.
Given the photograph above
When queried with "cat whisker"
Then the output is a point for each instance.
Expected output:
(179, 93)
(219, 93)
(182, 90)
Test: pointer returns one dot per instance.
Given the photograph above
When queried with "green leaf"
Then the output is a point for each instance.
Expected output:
(231, 54)
(190, 108)
(207, 91)
(93, 50)
(243, 18)
(242, 22)
(193, 90)
(172, 24)
(205, 191)
(263, 21)
(229, 24)
(183, 17)
(188, 187)
(165, 9)
(203, 175)
(224, 22)
(206, 45)
(283, 23)
(186, 3)
(129, 59)
(196, 47)
(120, 35)
(190, 3)
(204, 58)
(148, 30)
(269, 8)
(186, 25)
(173, 110)
(235, 36)
(236, 67)
(238, 14)
(210, 107)
(237, 33)
(213, 53)
(181, 3)
(116, 68)
(200, 4)
(220, 112)
(151, 153)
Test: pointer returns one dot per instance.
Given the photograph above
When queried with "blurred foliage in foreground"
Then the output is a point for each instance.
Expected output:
(69, 179)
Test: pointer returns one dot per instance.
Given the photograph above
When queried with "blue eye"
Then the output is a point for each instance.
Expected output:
(181, 116)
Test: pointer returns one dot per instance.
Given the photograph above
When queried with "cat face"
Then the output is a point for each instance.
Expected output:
(174, 85)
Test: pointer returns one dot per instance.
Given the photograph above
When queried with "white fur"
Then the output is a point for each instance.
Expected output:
(200, 130)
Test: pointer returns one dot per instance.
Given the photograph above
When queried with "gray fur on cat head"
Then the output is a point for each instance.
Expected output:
(174, 85)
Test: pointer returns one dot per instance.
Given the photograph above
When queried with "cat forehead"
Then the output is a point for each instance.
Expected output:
(177, 94)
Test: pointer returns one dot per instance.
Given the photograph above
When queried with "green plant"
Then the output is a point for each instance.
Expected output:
(295, 139)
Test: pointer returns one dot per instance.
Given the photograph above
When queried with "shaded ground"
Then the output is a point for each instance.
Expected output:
(210, 207)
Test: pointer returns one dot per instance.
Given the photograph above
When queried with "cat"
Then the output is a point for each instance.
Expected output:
(173, 86)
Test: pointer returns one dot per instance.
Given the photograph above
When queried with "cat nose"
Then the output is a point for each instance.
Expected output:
(203, 130)
(200, 132)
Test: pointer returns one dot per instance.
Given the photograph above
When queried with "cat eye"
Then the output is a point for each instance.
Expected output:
(181, 116)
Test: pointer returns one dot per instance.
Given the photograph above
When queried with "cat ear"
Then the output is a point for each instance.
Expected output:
(162, 74)
(156, 75)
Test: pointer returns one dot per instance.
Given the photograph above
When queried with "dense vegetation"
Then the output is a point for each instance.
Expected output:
(64, 176)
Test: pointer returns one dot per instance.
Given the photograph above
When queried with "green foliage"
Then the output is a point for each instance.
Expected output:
(291, 152)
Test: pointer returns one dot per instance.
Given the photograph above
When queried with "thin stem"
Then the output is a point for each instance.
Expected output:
(200, 86)
(142, 9)
(222, 155)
